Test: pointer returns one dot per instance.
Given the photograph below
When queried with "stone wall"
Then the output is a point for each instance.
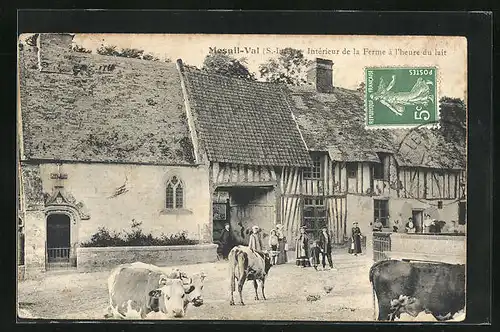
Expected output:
(105, 258)
(444, 248)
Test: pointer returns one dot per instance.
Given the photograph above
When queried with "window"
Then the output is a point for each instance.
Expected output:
(352, 170)
(378, 171)
(175, 194)
(314, 215)
(314, 172)
(381, 170)
(381, 210)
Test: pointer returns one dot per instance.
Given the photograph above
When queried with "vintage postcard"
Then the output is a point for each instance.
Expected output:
(242, 177)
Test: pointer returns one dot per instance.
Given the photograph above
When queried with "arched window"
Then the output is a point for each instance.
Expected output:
(175, 194)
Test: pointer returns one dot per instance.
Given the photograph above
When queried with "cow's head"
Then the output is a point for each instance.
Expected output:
(168, 298)
(194, 289)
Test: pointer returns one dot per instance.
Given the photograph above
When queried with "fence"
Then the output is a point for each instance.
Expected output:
(381, 245)
(59, 258)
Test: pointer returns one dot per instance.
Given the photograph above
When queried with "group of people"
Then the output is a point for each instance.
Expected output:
(308, 252)
(428, 225)
(310, 255)
(278, 246)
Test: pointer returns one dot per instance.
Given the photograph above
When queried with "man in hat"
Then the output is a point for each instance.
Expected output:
(255, 241)
(325, 245)
(226, 241)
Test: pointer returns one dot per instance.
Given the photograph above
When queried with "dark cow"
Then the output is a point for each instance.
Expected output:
(136, 291)
(436, 288)
(247, 264)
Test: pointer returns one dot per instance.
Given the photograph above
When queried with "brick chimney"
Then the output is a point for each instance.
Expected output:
(320, 74)
(52, 47)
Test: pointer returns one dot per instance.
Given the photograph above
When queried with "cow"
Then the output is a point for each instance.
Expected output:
(138, 289)
(247, 264)
(412, 287)
(197, 280)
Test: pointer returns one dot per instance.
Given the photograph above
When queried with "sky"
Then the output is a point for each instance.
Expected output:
(448, 54)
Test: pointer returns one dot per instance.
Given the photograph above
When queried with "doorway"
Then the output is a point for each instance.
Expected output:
(417, 216)
(58, 238)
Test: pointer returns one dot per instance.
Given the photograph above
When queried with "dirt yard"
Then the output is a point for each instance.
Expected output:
(72, 295)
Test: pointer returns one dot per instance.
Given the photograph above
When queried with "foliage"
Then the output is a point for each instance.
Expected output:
(223, 64)
(134, 53)
(80, 49)
(290, 67)
(31, 40)
(135, 237)
(453, 119)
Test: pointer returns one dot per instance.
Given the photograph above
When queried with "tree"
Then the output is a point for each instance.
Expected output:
(223, 64)
(361, 87)
(288, 68)
(453, 119)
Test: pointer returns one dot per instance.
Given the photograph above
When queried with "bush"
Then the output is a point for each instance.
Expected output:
(135, 237)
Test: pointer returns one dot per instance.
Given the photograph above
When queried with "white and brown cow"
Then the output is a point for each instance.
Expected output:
(247, 264)
(139, 290)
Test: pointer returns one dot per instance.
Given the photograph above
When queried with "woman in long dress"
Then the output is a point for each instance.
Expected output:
(356, 239)
(302, 249)
(282, 245)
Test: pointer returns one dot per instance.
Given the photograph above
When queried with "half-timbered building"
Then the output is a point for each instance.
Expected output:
(106, 140)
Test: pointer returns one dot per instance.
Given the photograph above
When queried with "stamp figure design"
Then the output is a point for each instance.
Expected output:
(401, 96)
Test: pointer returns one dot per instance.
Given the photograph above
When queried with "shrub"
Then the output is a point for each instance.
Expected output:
(135, 237)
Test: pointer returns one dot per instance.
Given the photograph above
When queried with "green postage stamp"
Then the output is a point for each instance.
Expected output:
(400, 97)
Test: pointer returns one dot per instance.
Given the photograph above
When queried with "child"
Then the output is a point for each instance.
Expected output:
(273, 243)
(315, 250)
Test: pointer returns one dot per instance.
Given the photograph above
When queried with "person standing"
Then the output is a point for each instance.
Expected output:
(302, 249)
(226, 241)
(255, 242)
(282, 245)
(377, 225)
(325, 245)
(273, 244)
(428, 224)
(315, 250)
(410, 227)
(356, 239)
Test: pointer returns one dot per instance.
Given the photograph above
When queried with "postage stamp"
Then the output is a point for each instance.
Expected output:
(401, 96)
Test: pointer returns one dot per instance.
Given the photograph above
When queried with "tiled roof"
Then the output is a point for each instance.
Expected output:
(114, 110)
(334, 123)
(245, 122)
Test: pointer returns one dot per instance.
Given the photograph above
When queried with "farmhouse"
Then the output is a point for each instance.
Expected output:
(107, 140)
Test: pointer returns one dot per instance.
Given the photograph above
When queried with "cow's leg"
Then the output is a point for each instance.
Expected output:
(231, 291)
(262, 289)
(240, 287)
(255, 287)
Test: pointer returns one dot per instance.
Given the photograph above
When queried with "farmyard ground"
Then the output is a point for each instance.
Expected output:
(83, 296)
